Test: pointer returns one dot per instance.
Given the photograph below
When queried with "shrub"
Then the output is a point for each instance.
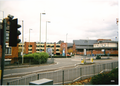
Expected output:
(40, 57)
(105, 78)
(100, 79)
(36, 57)
(113, 75)
(98, 57)
(28, 57)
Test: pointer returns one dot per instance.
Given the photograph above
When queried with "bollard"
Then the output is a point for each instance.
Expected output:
(82, 61)
(91, 59)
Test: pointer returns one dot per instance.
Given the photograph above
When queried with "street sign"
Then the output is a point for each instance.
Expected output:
(49, 51)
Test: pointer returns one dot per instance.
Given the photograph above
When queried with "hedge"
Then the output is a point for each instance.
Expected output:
(35, 58)
(60, 56)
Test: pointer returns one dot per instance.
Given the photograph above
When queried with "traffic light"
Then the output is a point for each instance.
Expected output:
(14, 32)
(1, 36)
(1, 33)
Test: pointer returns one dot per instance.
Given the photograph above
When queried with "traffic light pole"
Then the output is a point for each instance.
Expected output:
(3, 50)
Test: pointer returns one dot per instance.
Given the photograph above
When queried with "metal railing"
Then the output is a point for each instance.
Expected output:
(67, 75)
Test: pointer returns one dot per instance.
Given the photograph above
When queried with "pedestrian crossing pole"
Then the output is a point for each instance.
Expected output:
(3, 51)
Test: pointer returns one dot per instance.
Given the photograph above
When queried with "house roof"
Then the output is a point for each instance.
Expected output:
(84, 42)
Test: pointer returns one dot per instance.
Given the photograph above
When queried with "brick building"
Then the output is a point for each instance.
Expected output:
(100, 46)
(80, 47)
(10, 52)
(32, 47)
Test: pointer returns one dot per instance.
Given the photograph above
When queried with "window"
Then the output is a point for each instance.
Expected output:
(57, 49)
(42, 45)
(30, 45)
(29, 49)
(8, 50)
(48, 45)
(57, 45)
(52, 46)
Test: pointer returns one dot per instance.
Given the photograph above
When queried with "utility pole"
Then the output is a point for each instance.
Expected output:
(3, 50)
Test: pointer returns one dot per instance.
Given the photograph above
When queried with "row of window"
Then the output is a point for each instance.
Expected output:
(43, 49)
(41, 46)
(102, 45)
(47, 46)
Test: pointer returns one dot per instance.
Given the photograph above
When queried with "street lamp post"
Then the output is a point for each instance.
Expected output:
(22, 41)
(46, 30)
(29, 38)
(66, 45)
(40, 27)
(3, 13)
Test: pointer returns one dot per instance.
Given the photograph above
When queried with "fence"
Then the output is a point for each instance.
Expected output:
(67, 75)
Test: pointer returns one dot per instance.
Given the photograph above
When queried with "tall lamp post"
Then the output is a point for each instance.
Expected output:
(3, 13)
(40, 26)
(46, 30)
(29, 38)
(66, 45)
(22, 40)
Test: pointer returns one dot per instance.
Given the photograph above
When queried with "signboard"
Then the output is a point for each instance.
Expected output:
(63, 52)
(49, 51)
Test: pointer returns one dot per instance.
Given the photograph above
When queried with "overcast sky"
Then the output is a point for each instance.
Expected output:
(80, 19)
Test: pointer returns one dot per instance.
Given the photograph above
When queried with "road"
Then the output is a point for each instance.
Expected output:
(60, 64)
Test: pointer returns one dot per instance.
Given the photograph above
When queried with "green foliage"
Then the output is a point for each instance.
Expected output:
(60, 56)
(36, 58)
(98, 57)
(106, 78)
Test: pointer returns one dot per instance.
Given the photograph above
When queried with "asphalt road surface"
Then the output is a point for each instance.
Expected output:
(61, 63)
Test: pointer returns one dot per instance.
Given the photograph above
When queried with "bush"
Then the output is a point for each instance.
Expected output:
(60, 56)
(98, 57)
(27, 58)
(105, 78)
(36, 58)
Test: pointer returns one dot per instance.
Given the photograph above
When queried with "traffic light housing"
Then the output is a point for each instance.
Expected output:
(14, 32)
(1, 36)
(1, 33)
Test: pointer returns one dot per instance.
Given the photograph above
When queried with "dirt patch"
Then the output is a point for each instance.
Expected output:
(81, 82)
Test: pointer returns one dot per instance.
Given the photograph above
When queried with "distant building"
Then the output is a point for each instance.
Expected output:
(83, 46)
(32, 47)
(80, 47)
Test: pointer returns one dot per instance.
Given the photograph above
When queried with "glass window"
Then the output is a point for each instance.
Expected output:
(57, 49)
(8, 50)
(30, 45)
(58, 46)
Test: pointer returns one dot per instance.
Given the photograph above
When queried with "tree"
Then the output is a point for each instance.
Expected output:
(70, 50)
